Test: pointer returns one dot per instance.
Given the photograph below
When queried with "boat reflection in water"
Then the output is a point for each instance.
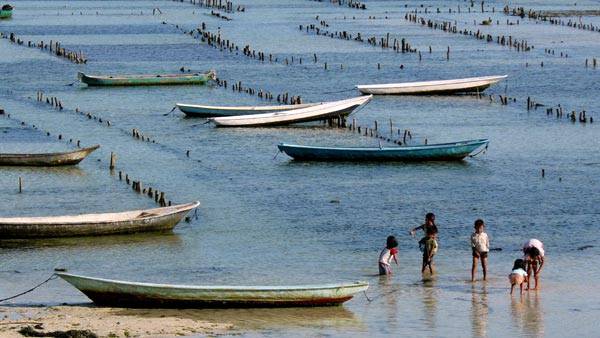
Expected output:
(151, 239)
(262, 319)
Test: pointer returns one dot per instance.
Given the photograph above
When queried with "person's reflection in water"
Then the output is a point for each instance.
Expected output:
(527, 314)
(479, 311)
(533, 317)
(391, 291)
(430, 300)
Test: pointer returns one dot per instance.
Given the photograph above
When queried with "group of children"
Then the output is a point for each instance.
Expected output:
(530, 265)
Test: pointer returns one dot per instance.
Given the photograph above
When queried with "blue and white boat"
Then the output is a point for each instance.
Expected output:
(430, 152)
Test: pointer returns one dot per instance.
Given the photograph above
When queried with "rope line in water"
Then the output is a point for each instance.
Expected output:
(479, 152)
(170, 111)
(52, 277)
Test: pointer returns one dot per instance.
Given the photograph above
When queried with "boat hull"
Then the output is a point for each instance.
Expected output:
(46, 160)
(62, 226)
(214, 111)
(437, 152)
(309, 114)
(143, 80)
(468, 85)
(113, 293)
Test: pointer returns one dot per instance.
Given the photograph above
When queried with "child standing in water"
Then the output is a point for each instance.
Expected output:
(480, 245)
(387, 254)
(534, 258)
(430, 246)
(518, 276)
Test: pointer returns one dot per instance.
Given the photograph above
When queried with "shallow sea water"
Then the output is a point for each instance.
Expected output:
(266, 220)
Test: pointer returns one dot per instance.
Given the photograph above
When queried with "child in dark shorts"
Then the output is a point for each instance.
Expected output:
(480, 245)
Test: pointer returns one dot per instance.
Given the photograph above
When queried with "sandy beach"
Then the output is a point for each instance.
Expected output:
(107, 322)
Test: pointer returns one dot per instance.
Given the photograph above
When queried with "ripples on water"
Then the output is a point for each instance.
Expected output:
(270, 221)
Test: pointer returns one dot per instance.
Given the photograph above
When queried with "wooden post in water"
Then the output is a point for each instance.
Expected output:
(113, 161)
(20, 185)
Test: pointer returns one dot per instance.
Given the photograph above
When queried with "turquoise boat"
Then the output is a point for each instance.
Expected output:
(147, 80)
(6, 11)
(431, 152)
(116, 293)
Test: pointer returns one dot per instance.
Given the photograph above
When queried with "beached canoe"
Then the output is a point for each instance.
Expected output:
(48, 159)
(472, 84)
(146, 80)
(6, 11)
(107, 292)
(148, 220)
(432, 152)
(313, 113)
(196, 110)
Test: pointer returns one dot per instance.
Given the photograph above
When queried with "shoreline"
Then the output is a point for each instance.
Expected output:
(107, 322)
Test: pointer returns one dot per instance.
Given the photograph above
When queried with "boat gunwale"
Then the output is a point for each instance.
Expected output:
(404, 85)
(39, 220)
(239, 288)
(242, 108)
(87, 149)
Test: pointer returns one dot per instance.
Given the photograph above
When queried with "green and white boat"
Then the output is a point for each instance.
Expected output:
(147, 80)
(115, 293)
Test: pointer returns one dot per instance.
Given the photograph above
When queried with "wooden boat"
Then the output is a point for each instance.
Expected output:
(107, 292)
(313, 113)
(146, 80)
(157, 219)
(472, 84)
(6, 11)
(195, 110)
(431, 152)
(47, 160)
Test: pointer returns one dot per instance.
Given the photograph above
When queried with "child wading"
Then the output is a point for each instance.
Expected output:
(518, 276)
(534, 257)
(480, 245)
(429, 246)
(387, 254)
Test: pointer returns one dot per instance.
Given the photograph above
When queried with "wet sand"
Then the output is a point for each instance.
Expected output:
(108, 322)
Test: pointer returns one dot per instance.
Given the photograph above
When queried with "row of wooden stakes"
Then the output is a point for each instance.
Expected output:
(449, 27)
(34, 127)
(399, 46)
(540, 16)
(559, 113)
(348, 3)
(54, 47)
(159, 197)
(263, 94)
(137, 186)
(226, 6)
(396, 135)
(56, 103)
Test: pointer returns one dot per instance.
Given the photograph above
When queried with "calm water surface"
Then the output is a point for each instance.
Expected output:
(267, 220)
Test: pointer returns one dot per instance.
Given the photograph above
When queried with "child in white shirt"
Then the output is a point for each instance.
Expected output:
(480, 245)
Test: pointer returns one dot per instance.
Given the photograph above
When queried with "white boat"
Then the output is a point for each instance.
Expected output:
(466, 85)
(197, 110)
(313, 113)
(116, 293)
(148, 220)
